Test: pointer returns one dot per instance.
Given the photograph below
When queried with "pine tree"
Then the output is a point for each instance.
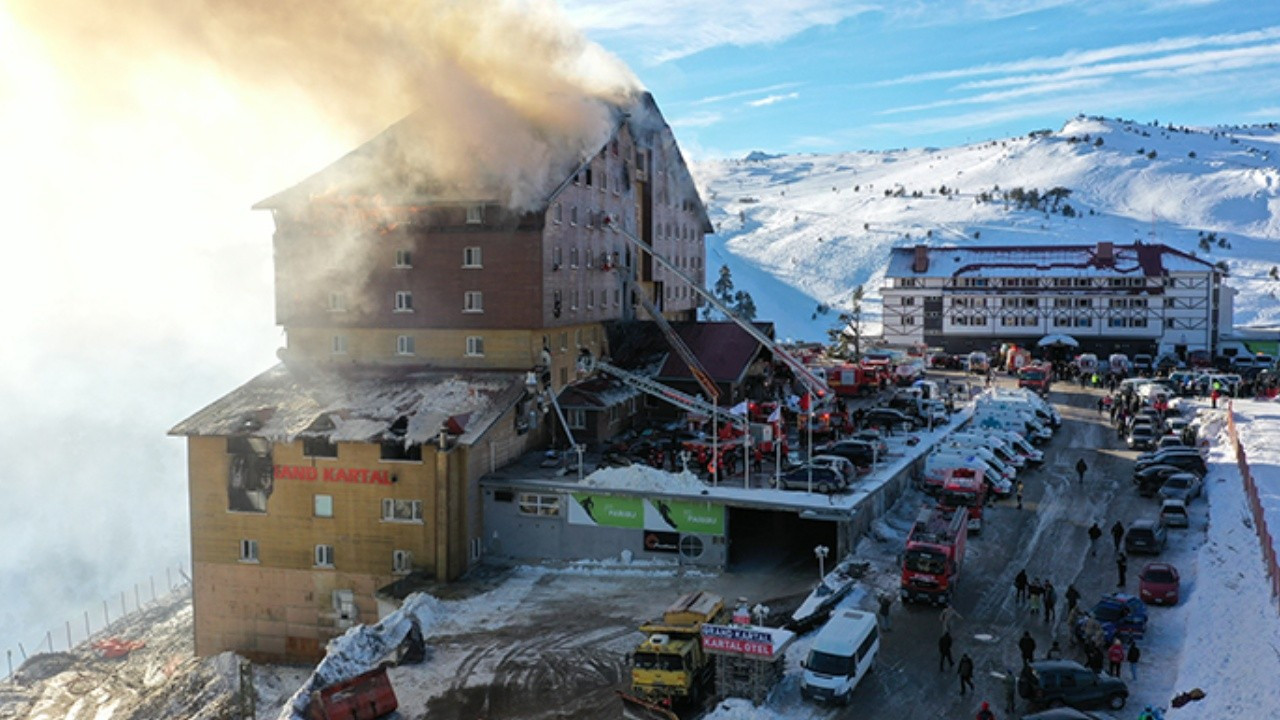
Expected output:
(724, 286)
(743, 306)
(850, 328)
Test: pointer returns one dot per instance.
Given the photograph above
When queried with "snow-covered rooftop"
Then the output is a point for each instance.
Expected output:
(1070, 261)
(358, 404)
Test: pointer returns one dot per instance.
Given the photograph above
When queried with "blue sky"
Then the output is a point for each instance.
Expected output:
(826, 76)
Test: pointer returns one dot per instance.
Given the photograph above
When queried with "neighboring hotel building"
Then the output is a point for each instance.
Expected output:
(1111, 298)
(425, 326)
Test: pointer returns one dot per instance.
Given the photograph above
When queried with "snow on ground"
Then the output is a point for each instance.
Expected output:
(800, 232)
(643, 477)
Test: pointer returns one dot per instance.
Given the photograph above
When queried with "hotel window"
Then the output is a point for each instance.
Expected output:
(591, 298)
(591, 218)
(587, 176)
(319, 447)
(557, 258)
(405, 511)
(908, 301)
(473, 301)
(564, 341)
(475, 214)
(401, 562)
(248, 551)
(404, 345)
(339, 346)
(475, 346)
(573, 299)
(573, 257)
(558, 214)
(573, 216)
(908, 320)
(539, 504)
(471, 257)
(591, 256)
(324, 556)
(404, 301)
(577, 418)
(404, 259)
(337, 302)
(323, 506)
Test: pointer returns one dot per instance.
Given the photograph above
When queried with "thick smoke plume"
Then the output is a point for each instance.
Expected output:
(501, 91)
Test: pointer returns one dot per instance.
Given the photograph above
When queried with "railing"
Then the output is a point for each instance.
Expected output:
(175, 579)
(1255, 506)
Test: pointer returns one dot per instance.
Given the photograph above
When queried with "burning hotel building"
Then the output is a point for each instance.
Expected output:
(424, 308)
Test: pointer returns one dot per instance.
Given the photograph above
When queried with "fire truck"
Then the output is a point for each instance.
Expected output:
(934, 552)
(851, 380)
(964, 489)
(1037, 377)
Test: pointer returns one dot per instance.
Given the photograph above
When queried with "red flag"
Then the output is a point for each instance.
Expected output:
(805, 403)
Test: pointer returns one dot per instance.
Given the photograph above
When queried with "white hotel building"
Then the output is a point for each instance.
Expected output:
(1111, 298)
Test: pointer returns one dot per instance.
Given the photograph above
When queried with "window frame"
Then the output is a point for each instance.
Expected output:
(475, 214)
(338, 345)
(249, 551)
(404, 259)
(533, 504)
(401, 562)
(323, 556)
(337, 302)
(389, 511)
(403, 302)
(472, 257)
(316, 504)
(405, 346)
(475, 346)
(473, 302)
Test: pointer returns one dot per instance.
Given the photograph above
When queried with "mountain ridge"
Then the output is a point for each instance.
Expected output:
(800, 232)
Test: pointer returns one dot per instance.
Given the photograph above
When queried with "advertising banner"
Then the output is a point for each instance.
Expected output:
(690, 518)
(659, 541)
(738, 638)
(606, 511)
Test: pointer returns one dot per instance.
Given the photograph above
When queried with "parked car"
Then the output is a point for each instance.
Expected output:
(1173, 513)
(872, 436)
(1186, 458)
(1149, 480)
(1171, 439)
(1145, 536)
(1141, 437)
(1120, 615)
(1158, 584)
(1143, 364)
(860, 453)
(842, 465)
(1066, 682)
(1183, 486)
(825, 479)
(891, 419)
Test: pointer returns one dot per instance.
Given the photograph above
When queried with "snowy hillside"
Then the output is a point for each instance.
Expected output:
(801, 231)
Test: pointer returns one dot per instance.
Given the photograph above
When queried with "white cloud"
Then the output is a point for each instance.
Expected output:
(744, 93)
(701, 119)
(996, 97)
(772, 99)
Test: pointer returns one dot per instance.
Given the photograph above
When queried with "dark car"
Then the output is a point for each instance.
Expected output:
(1119, 615)
(1150, 479)
(825, 480)
(1063, 713)
(1158, 583)
(1188, 459)
(1145, 536)
(889, 418)
(1065, 682)
(859, 452)
(1182, 486)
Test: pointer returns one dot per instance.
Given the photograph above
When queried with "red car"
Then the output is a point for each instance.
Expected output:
(1158, 584)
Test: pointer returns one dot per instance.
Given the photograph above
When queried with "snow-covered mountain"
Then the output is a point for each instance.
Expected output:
(800, 232)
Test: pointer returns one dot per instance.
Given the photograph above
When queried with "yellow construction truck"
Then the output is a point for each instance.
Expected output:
(670, 671)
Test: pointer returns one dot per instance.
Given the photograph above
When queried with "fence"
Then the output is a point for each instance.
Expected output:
(174, 579)
(1255, 506)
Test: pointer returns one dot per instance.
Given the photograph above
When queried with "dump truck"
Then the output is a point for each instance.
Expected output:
(670, 671)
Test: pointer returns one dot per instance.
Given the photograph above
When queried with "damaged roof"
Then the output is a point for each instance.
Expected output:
(363, 404)
(725, 350)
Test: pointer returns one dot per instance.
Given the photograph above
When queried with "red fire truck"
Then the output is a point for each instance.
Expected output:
(964, 488)
(851, 380)
(935, 550)
(1037, 377)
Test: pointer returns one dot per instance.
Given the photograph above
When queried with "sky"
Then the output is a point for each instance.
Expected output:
(792, 76)
(135, 136)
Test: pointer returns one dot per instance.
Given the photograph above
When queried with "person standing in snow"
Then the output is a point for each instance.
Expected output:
(1115, 656)
(984, 713)
(1095, 532)
(1050, 599)
(1027, 645)
(965, 670)
(1036, 592)
(948, 615)
(1117, 534)
(1133, 657)
(886, 602)
(1010, 682)
(1082, 467)
(1020, 584)
(944, 651)
(1121, 566)
(1073, 597)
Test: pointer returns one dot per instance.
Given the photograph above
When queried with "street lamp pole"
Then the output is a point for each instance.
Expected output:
(821, 552)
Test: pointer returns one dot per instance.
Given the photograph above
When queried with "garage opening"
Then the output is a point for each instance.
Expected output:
(771, 540)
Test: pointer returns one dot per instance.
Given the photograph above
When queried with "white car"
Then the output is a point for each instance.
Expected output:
(844, 466)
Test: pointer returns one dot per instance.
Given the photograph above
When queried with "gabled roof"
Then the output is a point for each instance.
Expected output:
(1136, 259)
(724, 349)
(596, 393)
(362, 404)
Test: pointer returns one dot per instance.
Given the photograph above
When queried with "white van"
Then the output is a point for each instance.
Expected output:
(1043, 408)
(1037, 415)
(1015, 419)
(945, 458)
(1021, 446)
(993, 442)
(1002, 468)
(841, 655)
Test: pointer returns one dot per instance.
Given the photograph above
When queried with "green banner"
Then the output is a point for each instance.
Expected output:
(690, 518)
(606, 510)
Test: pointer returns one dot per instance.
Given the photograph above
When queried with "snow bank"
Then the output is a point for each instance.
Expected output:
(362, 648)
(643, 477)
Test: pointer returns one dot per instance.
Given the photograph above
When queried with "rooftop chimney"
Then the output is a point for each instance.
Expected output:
(920, 262)
(1106, 254)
